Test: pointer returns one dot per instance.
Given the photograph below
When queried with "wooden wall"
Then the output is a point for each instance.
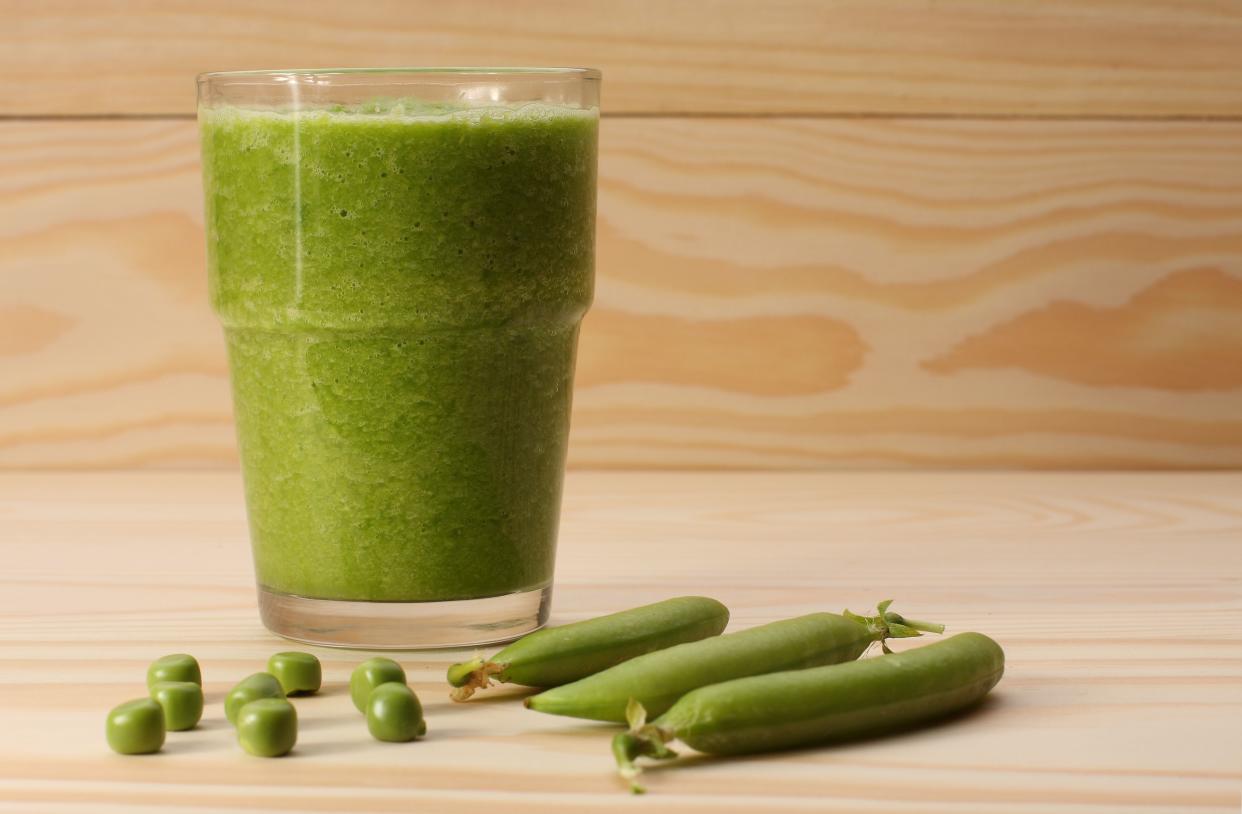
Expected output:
(832, 233)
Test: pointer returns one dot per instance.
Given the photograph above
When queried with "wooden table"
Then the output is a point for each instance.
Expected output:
(1117, 597)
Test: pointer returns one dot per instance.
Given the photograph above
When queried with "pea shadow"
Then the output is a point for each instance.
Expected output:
(435, 734)
(326, 691)
(988, 706)
(344, 747)
(334, 748)
(185, 747)
(323, 722)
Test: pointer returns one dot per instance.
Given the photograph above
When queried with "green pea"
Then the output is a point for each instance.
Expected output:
(298, 673)
(369, 675)
(559, 655)
(795, 708)
(394, 713)
(174, 667)
(267, 727)
(182, 702)
(251, 688)
(659, 678)
(136, 727)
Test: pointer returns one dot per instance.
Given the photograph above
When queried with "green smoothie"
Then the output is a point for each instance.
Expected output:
(401, 290)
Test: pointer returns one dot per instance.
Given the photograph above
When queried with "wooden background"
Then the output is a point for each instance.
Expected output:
(832, 233)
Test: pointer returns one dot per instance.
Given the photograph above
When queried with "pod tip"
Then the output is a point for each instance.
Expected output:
(468, 676)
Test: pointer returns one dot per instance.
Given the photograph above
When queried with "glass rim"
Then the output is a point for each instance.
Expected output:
(450, 72)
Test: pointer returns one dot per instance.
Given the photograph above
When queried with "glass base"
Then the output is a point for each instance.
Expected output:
(404, 625)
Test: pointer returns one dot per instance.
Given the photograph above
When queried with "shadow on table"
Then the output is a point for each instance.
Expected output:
(499, 695)
(326, 691)
(308, 722)
(186, 747)
(206, 725)
(334, 748)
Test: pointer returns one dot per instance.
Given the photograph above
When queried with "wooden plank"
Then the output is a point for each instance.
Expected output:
(1122, 693)
(1023, 57)
(773, 293)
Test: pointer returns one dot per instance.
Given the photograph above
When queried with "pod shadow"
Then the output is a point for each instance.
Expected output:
(586, 729)
(483, 698)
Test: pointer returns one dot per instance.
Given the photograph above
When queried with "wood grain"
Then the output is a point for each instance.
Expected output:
(771, 293)
(1024, 57)
(1182, 333)
(1116, 598)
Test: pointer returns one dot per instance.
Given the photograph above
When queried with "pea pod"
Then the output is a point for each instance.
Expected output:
(658, 679)
(799, 707)
(559, 655)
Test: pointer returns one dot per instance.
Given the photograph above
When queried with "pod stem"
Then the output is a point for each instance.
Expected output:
(888, 625)
(924, 627)
(468, 676)
(642, 740)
